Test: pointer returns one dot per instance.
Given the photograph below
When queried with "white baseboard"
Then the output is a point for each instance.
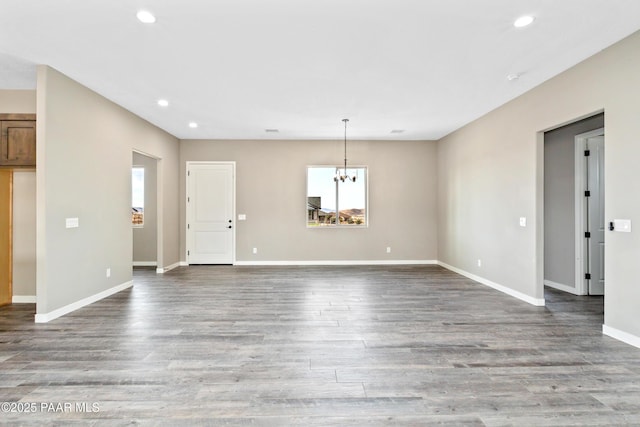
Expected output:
(625, 337)
(23, 299)
(145, 264)
(168, 268)
(47, 317)
(339, 262)
(561, 287)
(184, 264)
(526, 298)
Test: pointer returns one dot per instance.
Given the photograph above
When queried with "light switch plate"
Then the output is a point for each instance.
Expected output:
(72, 223)
(523, 221)
(622, 225)
(242, 217)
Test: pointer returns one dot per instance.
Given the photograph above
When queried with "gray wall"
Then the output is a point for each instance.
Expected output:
(559, 200)
(271, 191)
(145, 238)
(84, 170)
(490, 172)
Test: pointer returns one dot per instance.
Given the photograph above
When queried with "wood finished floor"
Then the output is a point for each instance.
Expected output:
(338, 346)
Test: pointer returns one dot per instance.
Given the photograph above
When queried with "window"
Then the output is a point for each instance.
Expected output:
(332, 203)
(137, 196)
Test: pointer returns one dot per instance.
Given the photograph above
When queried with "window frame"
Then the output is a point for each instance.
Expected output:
(337, 224)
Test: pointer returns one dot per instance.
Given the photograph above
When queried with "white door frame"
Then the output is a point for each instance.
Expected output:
(233, 207)
(582, 285)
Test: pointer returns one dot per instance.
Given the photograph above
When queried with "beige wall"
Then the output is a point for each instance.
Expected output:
(490, 173)
(18, 101)
(84, 171)
(271, 191)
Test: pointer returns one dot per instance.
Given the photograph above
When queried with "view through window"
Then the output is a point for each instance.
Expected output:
(335, 204)
(137, 196)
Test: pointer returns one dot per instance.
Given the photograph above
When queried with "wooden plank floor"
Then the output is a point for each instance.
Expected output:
(338, 346)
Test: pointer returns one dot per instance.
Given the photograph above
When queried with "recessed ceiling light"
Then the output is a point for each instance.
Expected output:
(271, 130)
(163, 102)
(523, 21)
(397, 131)
(193, 125)
(513, 77)
(146, 17)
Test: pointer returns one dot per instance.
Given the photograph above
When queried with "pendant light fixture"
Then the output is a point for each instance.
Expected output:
(344, 176)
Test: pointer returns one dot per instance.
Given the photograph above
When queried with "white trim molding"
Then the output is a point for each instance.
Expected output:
(23, 299)
(337, 262)
(625, 337)
(145, 264)
(561, 287)
(539, 302)
(47, 317)
(168, 268)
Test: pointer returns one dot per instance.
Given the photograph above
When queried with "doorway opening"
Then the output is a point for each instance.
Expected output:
(145, 218)
(573, 200)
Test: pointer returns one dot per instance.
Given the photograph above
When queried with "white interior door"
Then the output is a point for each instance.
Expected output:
(210, 212)
(596, 220)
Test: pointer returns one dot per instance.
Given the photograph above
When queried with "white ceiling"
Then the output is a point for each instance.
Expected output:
(238, 67)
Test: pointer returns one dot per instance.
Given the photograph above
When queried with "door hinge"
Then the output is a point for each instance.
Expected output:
(188, 226)
(587, 193)
(188, 253)
(587, 276)
(188, 199)
(188, 173)
(587, 153)
(587, 234)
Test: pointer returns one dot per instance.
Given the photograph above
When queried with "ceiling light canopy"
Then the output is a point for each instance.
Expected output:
(523, 21)
(146, 17)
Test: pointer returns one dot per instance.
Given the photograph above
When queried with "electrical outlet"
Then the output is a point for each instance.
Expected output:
(255, 250)
(388, 249)
(108, 272)
(479, 263)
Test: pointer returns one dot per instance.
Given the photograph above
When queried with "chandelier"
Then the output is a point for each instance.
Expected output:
(344, 176)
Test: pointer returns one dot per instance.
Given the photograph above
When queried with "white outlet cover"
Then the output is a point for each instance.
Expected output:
(242, 217)
(72, 222)
(523, 221)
